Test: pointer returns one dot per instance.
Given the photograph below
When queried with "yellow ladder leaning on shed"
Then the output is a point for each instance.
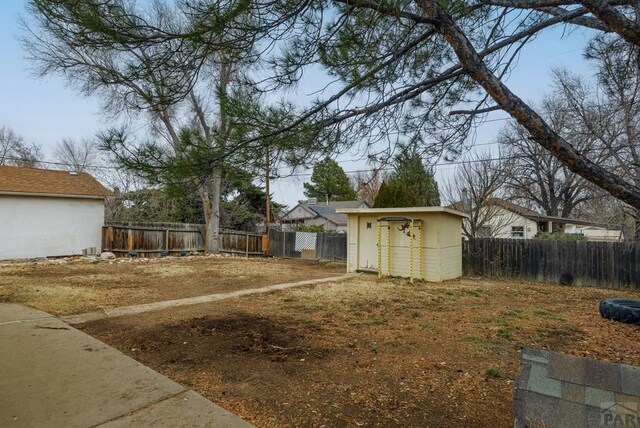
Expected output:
(408, 223)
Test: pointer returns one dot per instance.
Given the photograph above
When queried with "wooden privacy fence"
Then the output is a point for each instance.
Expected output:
(332, 246)
(321, 246)
(238, 242)
(598, 264)
(150, 239)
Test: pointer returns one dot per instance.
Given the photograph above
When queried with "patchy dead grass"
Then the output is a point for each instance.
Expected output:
(69, 287)
(63, 299)
(167, 269)
(368, 352)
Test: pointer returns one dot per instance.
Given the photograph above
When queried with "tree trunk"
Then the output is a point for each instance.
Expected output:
(636, 235)
(210, 195)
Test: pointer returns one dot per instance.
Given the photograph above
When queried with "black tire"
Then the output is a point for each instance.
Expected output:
(622, 310)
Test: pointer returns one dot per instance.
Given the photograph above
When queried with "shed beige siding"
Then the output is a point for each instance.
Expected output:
(440, 242)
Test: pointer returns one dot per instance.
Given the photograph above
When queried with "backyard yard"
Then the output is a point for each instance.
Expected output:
(69, 286)
(361, 352)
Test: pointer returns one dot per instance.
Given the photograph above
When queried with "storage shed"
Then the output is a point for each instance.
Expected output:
(46, 213)
(421, 242)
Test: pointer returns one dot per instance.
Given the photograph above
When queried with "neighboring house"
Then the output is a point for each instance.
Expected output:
(322, 214)
(46, 213)
(594, 232)
(504, 219)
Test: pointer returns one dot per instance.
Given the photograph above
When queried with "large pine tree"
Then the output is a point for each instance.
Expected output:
(329, 182)
(410, 185)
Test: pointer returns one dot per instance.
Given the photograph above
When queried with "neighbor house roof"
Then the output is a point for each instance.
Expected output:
(510, 206)
(514, 208)
(16, 180)
(328, 211)
(533, 215)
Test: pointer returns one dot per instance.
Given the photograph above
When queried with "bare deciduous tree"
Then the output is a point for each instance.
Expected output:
(77, 156)
(367, 184)
(608, 112)
(539, 180)
(475, 189)
(14, 151)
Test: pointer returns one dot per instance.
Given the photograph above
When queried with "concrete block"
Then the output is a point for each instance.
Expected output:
(630, 379)
(566, 367)
(522, 380)
(593, 416)
(535, 355)
(573, 392)
(602, 375)
(623, 415)
(570, 415)
(596, 397)
(632, 400)
(530, 408)
(540, 382)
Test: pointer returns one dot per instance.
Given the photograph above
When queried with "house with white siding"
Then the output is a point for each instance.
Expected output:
(49, 213)
(505, 219)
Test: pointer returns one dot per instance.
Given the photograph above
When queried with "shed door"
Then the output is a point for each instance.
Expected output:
(367, 244)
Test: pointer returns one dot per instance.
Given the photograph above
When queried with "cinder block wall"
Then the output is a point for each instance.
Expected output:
(558, 390)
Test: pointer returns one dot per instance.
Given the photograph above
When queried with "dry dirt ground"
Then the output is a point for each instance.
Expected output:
(70, 286)
(368, 352)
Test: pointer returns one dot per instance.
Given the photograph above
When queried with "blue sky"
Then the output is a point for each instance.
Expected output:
(41, 110)
(46, 110)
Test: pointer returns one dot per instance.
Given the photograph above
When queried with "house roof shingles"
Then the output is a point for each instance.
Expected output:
(20, 180)
(328, 211)
(533, 215)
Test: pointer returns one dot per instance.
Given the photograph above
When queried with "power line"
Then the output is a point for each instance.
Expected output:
(308, 174)
(58, 163)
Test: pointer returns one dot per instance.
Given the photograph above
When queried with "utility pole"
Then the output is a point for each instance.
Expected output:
(268, 171)
(265, 238)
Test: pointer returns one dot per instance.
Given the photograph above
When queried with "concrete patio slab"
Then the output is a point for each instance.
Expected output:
(56, 376)
(12, 312)
(170, 413)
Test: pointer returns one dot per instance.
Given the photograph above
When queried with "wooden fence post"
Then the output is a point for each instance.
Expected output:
(110, 238)
(246, 238)
(130, 239)
(166, 241)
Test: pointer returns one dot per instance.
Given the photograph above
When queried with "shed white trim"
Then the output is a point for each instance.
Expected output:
(401, 211)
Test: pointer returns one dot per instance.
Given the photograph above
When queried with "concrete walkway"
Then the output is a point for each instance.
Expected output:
(53, 375)
(156, 306)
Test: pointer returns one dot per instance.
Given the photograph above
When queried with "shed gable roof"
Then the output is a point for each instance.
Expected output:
(20, 180)
(403, 211)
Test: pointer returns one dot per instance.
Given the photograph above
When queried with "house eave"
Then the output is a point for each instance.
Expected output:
(52, 195)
